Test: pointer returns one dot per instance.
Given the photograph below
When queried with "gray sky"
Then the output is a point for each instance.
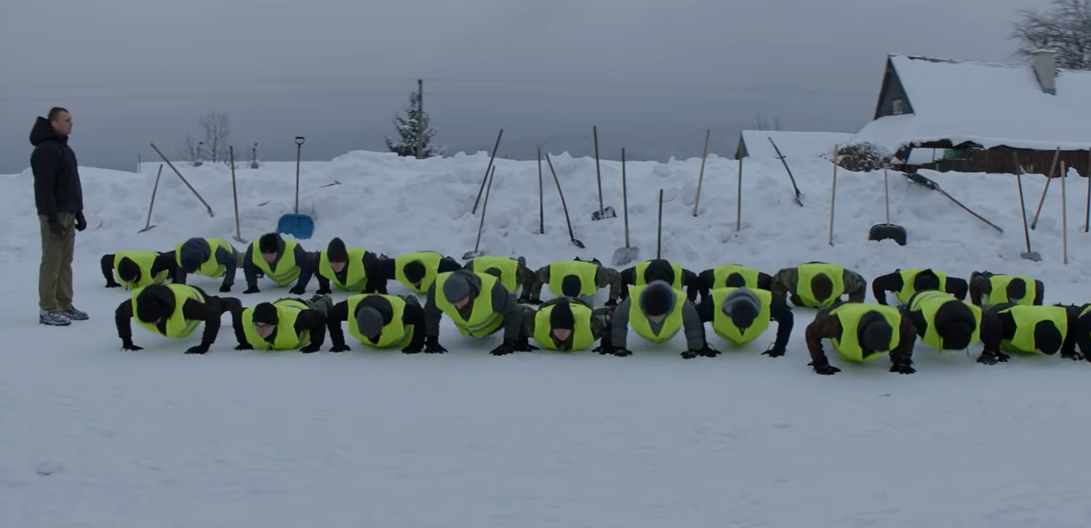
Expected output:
(651, 74)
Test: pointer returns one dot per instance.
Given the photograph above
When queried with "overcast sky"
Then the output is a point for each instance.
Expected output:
(650, 72)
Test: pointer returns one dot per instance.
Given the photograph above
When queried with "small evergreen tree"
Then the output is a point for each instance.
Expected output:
(409, 128)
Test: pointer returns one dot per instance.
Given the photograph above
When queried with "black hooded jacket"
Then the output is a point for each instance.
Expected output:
(193, 310)
(57, 187)
(413, 315)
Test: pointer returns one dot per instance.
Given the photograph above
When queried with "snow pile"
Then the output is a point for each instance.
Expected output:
(985, 103)
(92, 436)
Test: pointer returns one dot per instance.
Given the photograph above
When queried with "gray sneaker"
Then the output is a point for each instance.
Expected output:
(75, 315)
(53, 319)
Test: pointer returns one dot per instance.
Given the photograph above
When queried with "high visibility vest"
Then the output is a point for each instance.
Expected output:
(483, 320)
(509, 270)
(849, 314)
(582, 337)
(210, 267)
(394, 334)
(639, 322)
(287, 269)
(287, 339)
(178, 326)
(928, 304)
(749, 276)
(144, 261)
(1026, 319)
(806, 272)
(639, 280)
(908, 276)
(429, 259)
(725, 327)
(998, 294)
(355, 275)
(587, 272)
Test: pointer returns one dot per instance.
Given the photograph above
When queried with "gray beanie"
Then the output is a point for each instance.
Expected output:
(742, 306)
(456, 288)
(369, 321)
(657, 298)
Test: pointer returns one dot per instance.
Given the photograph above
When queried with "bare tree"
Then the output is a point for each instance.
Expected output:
(216, 127)
(1064, 27)
(762, 123)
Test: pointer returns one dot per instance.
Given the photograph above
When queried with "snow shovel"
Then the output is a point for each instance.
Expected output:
(148, 225)
(627, 254)
(1028, 254)
(481, 227)
(659, 229)
(887, 231)
(298, 225)
(922, 180)
(567, 220)
(784, 162)
(235, 195)
(603, 212)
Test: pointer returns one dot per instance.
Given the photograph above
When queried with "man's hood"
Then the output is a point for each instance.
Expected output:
(42, 132)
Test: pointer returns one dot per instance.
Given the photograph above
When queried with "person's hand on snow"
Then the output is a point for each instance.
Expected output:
(225, 288)
(340, 348)
(824, 368)
(412, 349)
(81, 222)
(298, 290)
(113, 284)
(309, 349)
(252, 289)
(128, 345)
(244, 346)
(199, 349)
(902, 368)
(705, 351)
(990, 357)
(1073, 355)
(774, 351)
(323, 291)
(503, 349)
(432, 346)
(621, 352)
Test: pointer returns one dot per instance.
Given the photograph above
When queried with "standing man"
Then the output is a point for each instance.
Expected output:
(59, 199)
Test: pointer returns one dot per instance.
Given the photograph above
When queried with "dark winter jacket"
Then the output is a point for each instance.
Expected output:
(503, 304)
(660, 269)
(164, 262)
(306, 262)
(57, 187)
(826, 326)
(373, 270)
(413, 315)
(779, 311)
(194, 310)
(893, 282)
(308, 320)
(199, 250)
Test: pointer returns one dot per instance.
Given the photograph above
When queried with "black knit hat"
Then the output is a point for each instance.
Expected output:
(1016, 290)
(735, 280)
(560, 317)
(127, 270)
(369, 321)
(149, 303)
(955, 324)
(266, 313)
(821, 287)
(657, 299)
(926, 280)
(336, 251)
(571, 286)
(1047, 337)
(875, 333)
(414, 271)
(743, 314)
(269, 243)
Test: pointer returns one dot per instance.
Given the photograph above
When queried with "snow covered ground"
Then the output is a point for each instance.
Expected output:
(91, 436)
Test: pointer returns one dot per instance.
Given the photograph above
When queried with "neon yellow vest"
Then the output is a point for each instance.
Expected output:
(582, 338)
(1026, 318)
(286, 339)
(287, 269)
(722, 273)
(394, 334)
(849, 314)
(999, 292)
(355, 276)
(430, 260)
(509, 270)
(208, 268)
(639, 270)
(144, 261)
(586, 271)
(725, 327)
(806, 272)
(483, 319)
(639, 322)
(908, 276)
(177, 325)
(928, 304)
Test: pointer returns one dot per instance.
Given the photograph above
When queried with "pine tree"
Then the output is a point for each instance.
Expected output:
(409, 128)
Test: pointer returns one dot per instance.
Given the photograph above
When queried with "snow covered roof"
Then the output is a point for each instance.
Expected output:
(988, 104)
(791, 144)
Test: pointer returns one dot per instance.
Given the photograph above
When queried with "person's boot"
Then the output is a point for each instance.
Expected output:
(75, 315)
(53, 319)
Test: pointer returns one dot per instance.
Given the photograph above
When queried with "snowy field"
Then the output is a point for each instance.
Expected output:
(91, 436)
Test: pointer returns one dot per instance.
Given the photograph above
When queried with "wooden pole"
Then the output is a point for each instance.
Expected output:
(1042, 200)
(701, 174)
(477, 201)
(234, 192)
(1064, 217)
(1087, 201)
(833, 195)
(738, 199)
(541, 195)
(420, 118)
(598, 170)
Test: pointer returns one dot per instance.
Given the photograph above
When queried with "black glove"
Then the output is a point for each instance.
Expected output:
(523, 345)
(621, 352)
(412, 349)
(55, 226)
(310, 349)
(992, 357)
(774, 351)
(323, 291)
(504, 349)
(705, 351)
(1073, 355)
(81, 222)
(340, 348)
(244, 346)
(252, 289)
(112, 284)
(611, 302)
(824, 368)
(225, 288)
(902, 368)
(432, 346)
(603, 348)
(128, 345)
(199, 349)
(298, 290)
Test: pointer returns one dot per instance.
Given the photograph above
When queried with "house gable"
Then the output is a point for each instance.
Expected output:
(892, 97)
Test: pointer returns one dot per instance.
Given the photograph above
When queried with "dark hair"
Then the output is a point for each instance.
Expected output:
(55, 111)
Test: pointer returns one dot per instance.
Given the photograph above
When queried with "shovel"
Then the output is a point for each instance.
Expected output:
(627, 254)
(659, 229)
(567, 220)
(1028, 254)
(603, 212)
(887, 231)
(148, 225)
(481, 227)
(235, 195)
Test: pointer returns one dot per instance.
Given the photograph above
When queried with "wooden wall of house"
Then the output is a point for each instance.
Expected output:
(1001, 160)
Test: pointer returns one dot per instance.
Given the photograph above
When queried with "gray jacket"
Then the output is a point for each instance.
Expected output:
(503, 303)
(691, 323)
